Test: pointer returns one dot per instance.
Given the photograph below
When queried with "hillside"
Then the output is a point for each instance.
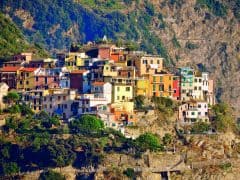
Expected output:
(199, 32)
(12, 40)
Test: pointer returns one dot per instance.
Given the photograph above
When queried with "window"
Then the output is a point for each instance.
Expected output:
(127, 88)
(27, 82)
(169, 88)
(123, 97)
(170, 78)
(199, 113)
(65, 106)
(50, 99)
(46, 80)
(154, 79)
(195, 80)
(195, 88)
(59, 105)
(154, 87)
(27, 74)
(55, 79)
(36, 78)
(199, 88)
(192, 113)
(21, 82)
(199, 106)
(161, 78)
(200, 80)
(118, 88)
(151, 61)
(59, 98)
(64, 98)
(158, 61)
(161, 87)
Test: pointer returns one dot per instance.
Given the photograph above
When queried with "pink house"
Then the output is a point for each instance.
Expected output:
(45, 79)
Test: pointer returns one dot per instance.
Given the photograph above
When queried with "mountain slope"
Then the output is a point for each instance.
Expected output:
(198, 32)
(12, 40)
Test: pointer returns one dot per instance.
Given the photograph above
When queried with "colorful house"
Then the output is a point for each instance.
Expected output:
(148, 64)
(142, 87)
(193, 111)
(80, 80)
(187, 78)
(8, 75)
(102, 90)
(176, 88)
(3, 92)
(46, 78)
(122, 92)
(26, 78)
(161, 85)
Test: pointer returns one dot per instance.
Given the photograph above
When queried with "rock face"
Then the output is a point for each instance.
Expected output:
(216, 41)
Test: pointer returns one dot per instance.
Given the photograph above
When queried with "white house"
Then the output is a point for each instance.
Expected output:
(3, 92)
(193, 111)
(102, 90)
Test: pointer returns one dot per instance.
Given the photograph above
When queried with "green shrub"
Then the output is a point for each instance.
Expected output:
(51, 175)
(149, 141)
(200, 127)
(86, 124)
(215, 6)
(129, 172)
(191, 46)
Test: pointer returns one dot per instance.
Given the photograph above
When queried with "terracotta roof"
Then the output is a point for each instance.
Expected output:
(9, 69)
(98, 83)
(78, 71)
(28, 69)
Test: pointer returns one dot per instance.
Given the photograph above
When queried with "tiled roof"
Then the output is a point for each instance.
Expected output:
(78, 71)
(9, 69)
(98, 83)
(28, 69)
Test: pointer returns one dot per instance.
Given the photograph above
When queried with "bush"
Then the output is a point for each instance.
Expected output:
(216, 7)
(51, 175)
(86, 124)
(167, 139)
(129, 172)
(191, 46)
(149, 141)
(223, 119)
(200, 127)
(10, 168)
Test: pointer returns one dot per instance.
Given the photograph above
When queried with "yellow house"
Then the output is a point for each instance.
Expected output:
(26, 78)
(142, 87)
(161, 85)
(74, 60)
(122, 92)
(110, 70)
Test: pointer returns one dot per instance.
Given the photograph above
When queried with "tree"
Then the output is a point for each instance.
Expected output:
(148, 141)
(139, 101)
(200, 127)
(86, 124)
(167, 139)
(51, 175)
(10, 168)
(223, 119)
(11, 98)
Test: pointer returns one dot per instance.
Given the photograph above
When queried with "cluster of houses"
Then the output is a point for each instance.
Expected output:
(104, 80)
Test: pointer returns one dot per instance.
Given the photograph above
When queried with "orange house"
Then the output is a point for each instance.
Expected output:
(161, 85)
